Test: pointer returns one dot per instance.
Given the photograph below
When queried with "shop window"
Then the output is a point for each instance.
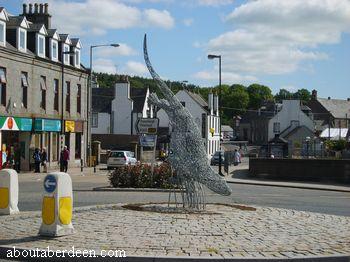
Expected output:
(3, 86)
(24, 81)
(79, 99)
(77, 145)
(43, 92)
(55, 143)
(55, 89)
(67, 96)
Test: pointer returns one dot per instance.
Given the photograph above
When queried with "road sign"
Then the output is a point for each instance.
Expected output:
(50, 183)
(147, 126)
(148, 140)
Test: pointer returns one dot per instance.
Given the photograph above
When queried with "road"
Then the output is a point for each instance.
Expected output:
(337, 203)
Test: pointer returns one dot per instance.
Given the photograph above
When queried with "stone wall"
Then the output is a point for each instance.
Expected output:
(301, 169)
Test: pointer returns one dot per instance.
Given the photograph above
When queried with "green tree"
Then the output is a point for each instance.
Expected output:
(303, 95)
(257, 94)
(283, 94)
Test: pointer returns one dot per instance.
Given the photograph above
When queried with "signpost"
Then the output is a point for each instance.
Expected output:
(50, 183)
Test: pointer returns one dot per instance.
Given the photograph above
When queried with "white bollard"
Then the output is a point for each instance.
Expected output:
(57, 205)
(8, 192)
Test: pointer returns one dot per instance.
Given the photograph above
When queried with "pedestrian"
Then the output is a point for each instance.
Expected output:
(44, 159)
(236, 158)
(65, 159)
(37, 160)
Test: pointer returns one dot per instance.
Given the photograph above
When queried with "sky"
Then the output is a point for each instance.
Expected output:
(289, 44)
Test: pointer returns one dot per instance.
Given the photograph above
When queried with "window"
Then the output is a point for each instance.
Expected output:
(3, 86)
(77, 58)
(24, 81)
(2, 34)
(22, 40)
(54, 50)
(66, 56)
(55, 90)
(183, 104)
(43, 92)
(41, 46)
(204, 117)
(94, 120)
(67, 96)
(77, 145)
(55, 143)
(79, 99)
(276, 127)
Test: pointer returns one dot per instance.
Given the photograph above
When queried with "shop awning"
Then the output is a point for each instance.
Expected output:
(15, 123)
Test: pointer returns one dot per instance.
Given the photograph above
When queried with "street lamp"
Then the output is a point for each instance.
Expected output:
(89, 99)
(70, 53)
(211, 57)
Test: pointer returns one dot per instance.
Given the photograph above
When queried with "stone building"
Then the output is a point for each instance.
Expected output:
(43, 99)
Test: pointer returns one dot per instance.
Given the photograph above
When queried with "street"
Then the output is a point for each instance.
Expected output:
(336, 203)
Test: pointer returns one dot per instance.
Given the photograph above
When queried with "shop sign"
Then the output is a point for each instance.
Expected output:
(15, 123)
(70, 126)
(47, 125)
(79, 126)
(148, 140)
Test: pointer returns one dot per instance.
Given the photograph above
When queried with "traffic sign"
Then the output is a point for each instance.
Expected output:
(147, 126)
(50, 183)
(148, 140)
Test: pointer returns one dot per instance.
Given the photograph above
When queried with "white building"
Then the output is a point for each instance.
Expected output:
(115, 111)
(205, 114)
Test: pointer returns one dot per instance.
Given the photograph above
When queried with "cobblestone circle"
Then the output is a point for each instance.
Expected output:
(228, 232)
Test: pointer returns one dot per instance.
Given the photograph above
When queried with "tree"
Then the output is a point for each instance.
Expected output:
(283, 94)
(303, 95)
(258, 94)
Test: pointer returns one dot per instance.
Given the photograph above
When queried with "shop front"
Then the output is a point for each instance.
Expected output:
(14, 139)
(47, 135)
(74, 140)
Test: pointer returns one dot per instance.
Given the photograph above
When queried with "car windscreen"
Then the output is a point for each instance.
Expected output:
(116, 154)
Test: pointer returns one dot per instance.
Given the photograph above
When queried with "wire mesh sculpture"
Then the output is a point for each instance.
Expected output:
(187, 155)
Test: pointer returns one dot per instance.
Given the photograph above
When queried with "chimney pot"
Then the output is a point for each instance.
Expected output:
(41, 8)
(36, 8)
(24, 9)
(46, 8)
(329, 98)
(30, 8)
(348, 99)
(314, 94)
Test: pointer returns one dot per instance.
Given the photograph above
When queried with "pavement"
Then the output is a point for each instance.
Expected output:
(223, 231)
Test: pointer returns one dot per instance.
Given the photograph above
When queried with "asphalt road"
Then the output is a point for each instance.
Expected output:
(337, 203)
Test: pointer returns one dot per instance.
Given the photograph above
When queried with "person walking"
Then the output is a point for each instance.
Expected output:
(37, 160)
(44, 159)
(65, 158)
(236, 158)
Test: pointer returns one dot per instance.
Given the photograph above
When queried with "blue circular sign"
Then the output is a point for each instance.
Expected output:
(50, 183)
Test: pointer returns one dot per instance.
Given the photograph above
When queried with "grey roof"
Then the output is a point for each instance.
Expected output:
(15, 20)
(337, 107)
(63, 37)
(75, 41)
(102, 99)
(34, 27)
(51, 32)
(138, 95)
(226, 128)
(198, 99)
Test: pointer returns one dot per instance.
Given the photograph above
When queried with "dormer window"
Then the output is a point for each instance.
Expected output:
(77, 58)
(66, 56)
(41, 46)
(54, 50)
(2, 33)
(22, 40)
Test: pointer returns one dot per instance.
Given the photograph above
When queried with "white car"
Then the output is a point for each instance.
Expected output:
(120, 158)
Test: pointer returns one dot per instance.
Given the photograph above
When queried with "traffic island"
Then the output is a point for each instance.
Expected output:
(221, 232)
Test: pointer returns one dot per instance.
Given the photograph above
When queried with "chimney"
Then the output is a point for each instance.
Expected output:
(24, 9)
(210, 101)
(314, 94)
(41, 8)
(329, 98)
(348, 99)
(36, 8)
(122, 87)
(30, 9)
(216, 104)
(41, 16)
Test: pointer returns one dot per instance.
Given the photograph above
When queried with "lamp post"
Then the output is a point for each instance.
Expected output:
(218, 57)
(89, 99)
(62, 96)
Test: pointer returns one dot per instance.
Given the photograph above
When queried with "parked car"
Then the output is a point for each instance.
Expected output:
(215, 158)
(120, 158)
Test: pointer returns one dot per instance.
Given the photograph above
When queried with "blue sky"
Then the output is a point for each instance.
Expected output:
(288, 44)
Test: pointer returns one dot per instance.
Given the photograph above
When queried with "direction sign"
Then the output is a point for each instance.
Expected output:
(148, 140)
(147, 126)
(50, 183)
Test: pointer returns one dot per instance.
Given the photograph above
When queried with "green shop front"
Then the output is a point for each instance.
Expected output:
(15, 133)
(47, 135)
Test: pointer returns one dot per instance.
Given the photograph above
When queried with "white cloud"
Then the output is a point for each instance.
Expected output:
(290, 88)
(122, 50)
(135, 68)
(96, 17)
(104, 66)
(214, 2)
(227, 77)
(188, 21)
(276, 37)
